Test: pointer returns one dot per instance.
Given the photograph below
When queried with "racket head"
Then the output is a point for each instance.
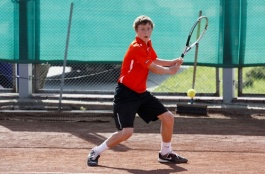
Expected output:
(197, 31)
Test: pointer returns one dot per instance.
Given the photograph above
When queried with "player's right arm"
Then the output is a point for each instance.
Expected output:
(157, 69)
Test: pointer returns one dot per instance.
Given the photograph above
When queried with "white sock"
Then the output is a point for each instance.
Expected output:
(165, 148)
(101, 148)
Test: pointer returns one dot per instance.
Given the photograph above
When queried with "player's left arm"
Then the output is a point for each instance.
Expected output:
(157, 69)
(168, 63)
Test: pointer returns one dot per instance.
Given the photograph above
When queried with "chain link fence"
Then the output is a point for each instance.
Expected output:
(100, 36)
(102, 78)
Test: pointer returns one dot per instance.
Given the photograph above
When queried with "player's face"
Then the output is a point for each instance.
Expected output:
(144, 32)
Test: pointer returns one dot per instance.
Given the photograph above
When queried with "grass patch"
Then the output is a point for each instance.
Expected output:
(182, 82)
(206, 81)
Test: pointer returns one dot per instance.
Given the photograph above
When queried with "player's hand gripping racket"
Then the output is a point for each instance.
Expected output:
(196, 33)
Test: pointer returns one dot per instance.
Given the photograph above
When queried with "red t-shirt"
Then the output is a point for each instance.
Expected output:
(134, 70)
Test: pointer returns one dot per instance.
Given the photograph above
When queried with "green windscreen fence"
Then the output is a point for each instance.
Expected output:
(35, 31)
(7, 31)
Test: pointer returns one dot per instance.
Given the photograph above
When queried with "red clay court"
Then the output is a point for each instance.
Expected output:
(227, 142)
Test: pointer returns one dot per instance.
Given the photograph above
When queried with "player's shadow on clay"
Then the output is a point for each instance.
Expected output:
(173, 168)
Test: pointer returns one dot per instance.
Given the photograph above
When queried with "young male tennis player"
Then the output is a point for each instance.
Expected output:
(131, 96)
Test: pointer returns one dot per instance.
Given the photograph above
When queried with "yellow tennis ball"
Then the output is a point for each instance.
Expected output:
(191, 93)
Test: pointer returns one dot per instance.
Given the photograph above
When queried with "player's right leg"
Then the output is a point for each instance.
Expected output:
(115, 139)
(125, 106)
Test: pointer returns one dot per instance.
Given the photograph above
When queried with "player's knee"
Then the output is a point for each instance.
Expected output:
(167, 118)
(170, 119)
(127, 133)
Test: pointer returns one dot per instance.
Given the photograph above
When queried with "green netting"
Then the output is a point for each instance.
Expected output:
(102, 30)
(255, 24)
(7, 40)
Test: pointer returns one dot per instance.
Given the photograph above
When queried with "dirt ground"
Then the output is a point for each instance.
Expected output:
(228, 142)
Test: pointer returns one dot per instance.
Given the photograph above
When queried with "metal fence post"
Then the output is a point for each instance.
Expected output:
(24, 70)
(228, 85)
(230, 46)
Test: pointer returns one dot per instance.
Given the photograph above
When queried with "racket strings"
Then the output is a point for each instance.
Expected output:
(198, 31)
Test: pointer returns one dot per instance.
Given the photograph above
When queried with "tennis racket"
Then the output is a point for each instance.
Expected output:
(196, 33)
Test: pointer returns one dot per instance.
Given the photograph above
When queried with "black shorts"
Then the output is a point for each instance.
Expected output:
(128, 102)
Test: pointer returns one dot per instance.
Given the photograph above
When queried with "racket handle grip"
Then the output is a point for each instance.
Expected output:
(182, 55)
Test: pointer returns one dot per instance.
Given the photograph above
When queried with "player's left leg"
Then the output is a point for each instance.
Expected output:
(152, 109)
(167, 123)
(166, 154)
